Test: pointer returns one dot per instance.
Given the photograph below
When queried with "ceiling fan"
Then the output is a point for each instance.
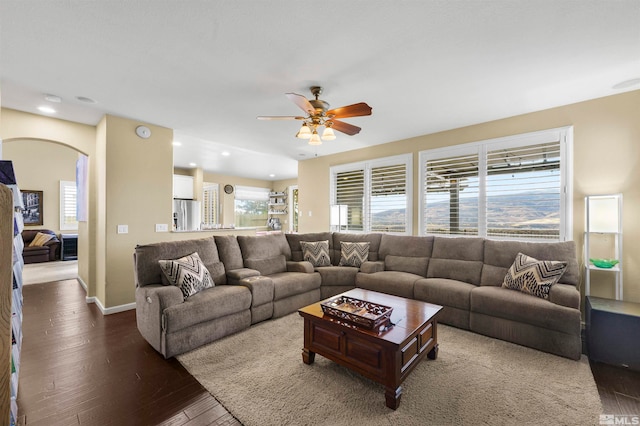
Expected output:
(319, 114)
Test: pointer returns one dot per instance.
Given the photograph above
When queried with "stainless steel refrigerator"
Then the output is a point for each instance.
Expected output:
(186, 215)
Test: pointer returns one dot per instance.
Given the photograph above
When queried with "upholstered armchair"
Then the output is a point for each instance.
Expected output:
(39, 252)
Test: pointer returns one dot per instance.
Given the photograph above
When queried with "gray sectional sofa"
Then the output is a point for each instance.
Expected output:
(262, 277)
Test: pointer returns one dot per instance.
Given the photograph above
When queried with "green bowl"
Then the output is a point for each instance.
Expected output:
(604, 263)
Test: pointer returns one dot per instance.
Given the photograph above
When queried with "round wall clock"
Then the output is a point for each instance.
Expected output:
(228, 189)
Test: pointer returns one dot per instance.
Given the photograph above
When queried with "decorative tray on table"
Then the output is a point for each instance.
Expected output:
(359, 312)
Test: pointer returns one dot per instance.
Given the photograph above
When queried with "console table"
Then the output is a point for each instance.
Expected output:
(613, 327)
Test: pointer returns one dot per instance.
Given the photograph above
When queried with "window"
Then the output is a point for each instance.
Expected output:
(251, 206)
(516, 187)
(375, 194)
(210, 204)
(68, 206)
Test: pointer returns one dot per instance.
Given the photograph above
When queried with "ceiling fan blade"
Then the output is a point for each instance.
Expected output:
(279, 117)
(302, 102)
(343, 127)
(355, 110)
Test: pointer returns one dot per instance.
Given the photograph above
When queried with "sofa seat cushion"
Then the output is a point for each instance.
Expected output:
(207, 305)
(35, 251)
(338, 275)
(390, 282)
(515, 306)
(287, 284)
(445, 292)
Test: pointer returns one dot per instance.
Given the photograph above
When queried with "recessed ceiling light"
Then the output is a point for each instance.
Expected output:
(226, 153)
(53, 98)
(46, 110)
(176, 143)
(627, 83)
(86, 100)
(192, 164)
(272, 175)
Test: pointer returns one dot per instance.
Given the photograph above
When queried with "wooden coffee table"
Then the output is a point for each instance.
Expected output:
(386, 357)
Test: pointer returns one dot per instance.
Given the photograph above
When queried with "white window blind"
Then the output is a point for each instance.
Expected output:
(210, 203)
(524, 191)
(517, 187)
(68, 206)
(251, 193)
(375, 194)
(388, 198)
(451, 194)
(350, 192)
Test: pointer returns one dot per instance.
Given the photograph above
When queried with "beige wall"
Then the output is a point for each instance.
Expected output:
(40, 166)
(18, 126)
(606, 160)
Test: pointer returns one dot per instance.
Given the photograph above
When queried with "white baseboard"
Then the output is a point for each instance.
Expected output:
(103, 310)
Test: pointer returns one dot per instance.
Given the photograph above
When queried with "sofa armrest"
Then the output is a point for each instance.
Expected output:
(369, 267)
(261, 289)
(162, 296)
(235, 276)
(151, 301)
(302, 266)
(565, 295)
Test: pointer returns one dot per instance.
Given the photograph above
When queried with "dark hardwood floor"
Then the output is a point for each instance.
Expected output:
(79, 367)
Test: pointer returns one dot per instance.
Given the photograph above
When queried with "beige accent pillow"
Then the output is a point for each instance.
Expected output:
(187, 273)
(40, 239)
(533, 276)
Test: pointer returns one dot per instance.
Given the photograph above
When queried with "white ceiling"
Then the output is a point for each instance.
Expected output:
(207, 68)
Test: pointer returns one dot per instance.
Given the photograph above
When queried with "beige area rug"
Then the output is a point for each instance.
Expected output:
(259, 376)
(46, 272)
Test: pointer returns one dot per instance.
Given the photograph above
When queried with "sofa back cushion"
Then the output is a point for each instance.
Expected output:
(229, 251)
(263, 252)
(338, 237)
(406, 253)
(296, 248)
(147, 269)
(500, 255)
(268, 266)
(457, 259)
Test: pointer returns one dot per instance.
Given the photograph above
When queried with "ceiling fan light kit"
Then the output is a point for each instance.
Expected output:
(319, 114)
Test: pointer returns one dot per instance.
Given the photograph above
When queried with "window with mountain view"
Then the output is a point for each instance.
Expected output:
(376, 194)
(514, 187)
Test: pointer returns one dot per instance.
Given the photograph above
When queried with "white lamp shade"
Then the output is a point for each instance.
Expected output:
(315, 139)
(304, 132)
(604, 214)
(328, 134)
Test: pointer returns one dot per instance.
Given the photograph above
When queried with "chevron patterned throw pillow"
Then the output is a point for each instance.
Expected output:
(533, 276)
(353, 254)
(316, 252)
(188, 273)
